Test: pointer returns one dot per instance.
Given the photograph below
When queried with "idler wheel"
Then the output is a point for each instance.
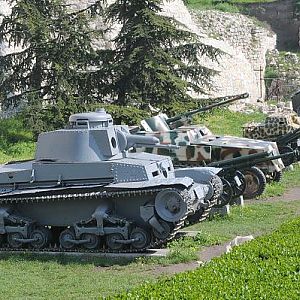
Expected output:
(170, 205)
(11, 239)
(65, 239)
(167, 228)
(226, 195)
(94, 240)
(111, 241)
(142, 236)
(255, 182)
(42, 236)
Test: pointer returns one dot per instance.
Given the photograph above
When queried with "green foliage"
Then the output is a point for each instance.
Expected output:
(222, 5)
(266, 268)
(54, 50)
(155, 61)
(226, 122)
(271, 73)
(15, 141)
(289, 180)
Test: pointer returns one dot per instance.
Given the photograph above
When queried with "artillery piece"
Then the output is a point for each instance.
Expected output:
(198, 146)
(84, 189)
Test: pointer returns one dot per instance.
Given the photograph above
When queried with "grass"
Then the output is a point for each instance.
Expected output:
(44, 277)
(28, 276)
(16, 142)
(290, 179)
(24, 277)
(226, 122)
(265, 268)
(222, 5)
(256, 218)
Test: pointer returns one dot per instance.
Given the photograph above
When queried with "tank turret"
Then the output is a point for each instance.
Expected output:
(161, 122)
(84, 189)
(199, 146)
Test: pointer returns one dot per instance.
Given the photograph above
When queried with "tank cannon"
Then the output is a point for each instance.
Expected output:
(162, 123)
(84, 189)
(198, 146)
(253, 176)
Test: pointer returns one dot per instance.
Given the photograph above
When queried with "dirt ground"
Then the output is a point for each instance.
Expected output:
(207, 253)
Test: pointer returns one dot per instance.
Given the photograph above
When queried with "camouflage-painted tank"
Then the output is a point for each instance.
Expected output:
(84, 189)
(284, 129)
(273, 127)
(198, 145)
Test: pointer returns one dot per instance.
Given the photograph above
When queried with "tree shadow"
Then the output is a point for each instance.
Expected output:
(70, 258)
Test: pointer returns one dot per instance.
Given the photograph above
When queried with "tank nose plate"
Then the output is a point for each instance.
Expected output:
(170, 205)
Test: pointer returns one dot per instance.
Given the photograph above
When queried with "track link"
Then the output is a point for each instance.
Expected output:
(92, 195)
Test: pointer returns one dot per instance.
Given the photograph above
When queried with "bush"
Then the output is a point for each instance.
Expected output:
(265, 268)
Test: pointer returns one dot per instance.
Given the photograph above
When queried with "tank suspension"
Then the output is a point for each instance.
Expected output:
(103, 231)
(20, 230)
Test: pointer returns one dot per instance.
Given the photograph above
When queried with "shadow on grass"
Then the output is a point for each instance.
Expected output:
(68, 259)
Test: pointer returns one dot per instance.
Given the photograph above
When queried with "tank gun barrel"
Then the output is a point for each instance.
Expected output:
(249, 160)
(223, 101)
(139, 141)
(288, 138)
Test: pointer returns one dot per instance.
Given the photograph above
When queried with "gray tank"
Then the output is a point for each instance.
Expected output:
(85, 190)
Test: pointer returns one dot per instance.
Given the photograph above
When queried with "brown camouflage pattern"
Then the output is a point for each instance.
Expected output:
(197, 147)
(195, 140)
(273, 127)
(186, 152)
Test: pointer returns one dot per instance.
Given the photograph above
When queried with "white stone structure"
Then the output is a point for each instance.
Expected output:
(244, 43)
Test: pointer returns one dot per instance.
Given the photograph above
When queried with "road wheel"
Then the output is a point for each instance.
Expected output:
(255, 181)
(93, 240)
(12, 239)
(142, 237)
(111, 241)
(42, 236)
(65, 239)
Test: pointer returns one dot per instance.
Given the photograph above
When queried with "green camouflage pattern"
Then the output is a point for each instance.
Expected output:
(197, 145)
(187, 152)
(273, 127)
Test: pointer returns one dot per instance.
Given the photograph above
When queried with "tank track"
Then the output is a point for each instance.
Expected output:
(90, 195)
(217, 184)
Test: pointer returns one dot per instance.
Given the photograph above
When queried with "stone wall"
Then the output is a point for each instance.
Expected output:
(243, 42)
(283, 18)
(285, 68)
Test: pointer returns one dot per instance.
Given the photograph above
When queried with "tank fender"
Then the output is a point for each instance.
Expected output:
(199, 174)
(180, 180)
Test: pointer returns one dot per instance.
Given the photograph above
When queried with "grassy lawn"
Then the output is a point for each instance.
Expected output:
(265, 268)
(222, 5)
(255, 218)
(226, 122)
(26, 276)
(290, 179)
(16, 142)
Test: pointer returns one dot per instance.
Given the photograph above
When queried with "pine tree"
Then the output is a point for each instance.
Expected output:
(52, 51)
(156, 59)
